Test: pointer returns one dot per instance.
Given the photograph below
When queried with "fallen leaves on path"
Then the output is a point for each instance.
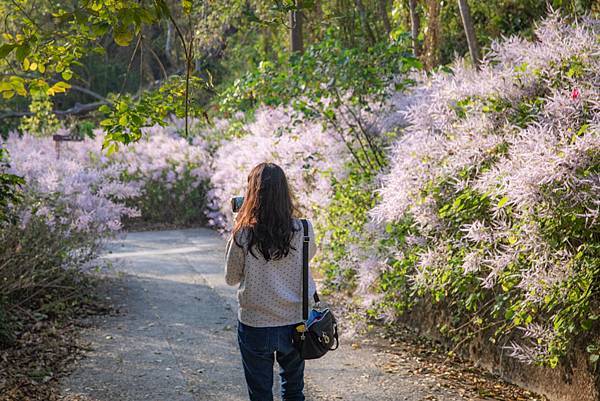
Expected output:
(401, 351)
(404, 352)
(43, 351)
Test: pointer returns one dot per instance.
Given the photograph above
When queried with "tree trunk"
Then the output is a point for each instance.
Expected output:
(432, 37)
(169, 42)
(465, 14)
(415, 26)
(296, 43)
(345, 11)
(362, 13)
(265, 43)
(384, 17)
(318, 18)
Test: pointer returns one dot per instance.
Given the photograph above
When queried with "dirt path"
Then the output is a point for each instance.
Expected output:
(174, 338)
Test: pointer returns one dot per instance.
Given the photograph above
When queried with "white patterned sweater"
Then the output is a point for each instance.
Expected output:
(270, 292)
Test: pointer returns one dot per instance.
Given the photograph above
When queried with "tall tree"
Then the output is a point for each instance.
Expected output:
(465, 14)
(433, 34)
(364, 21)
(384, 16)
(415, 26)
(296, 39)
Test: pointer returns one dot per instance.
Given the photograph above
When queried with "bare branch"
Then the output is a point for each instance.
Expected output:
(75, 110)
(89, 92)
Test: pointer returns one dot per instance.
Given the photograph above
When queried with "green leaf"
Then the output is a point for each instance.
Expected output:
(22, 52)
(111, 148)
(59, 87)
(8, 94)
(586, 325)
(18, 85)
(104, 109)
(123, 37)
(187, 6)
(5, 50)
(100, 29)
(67, 74)
(502, 201)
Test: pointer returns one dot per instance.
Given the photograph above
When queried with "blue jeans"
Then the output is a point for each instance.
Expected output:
(260, 346)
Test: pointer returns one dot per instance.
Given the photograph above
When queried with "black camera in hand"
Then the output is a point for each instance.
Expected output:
(236, 203)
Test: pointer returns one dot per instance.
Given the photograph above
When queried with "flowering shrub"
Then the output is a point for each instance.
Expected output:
(67, 205)
(68, 191)
(172, 175)
(340, 231)
(9, 187)
(64, 209)
(161, 178)
(309, 155)
(492, 203)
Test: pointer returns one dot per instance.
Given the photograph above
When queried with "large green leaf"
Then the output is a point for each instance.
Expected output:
(5, 49)
(123, 36)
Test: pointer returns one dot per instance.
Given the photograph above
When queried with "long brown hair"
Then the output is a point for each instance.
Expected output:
(266, 215)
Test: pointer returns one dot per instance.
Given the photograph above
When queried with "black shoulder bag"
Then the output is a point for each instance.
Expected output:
(318, 333)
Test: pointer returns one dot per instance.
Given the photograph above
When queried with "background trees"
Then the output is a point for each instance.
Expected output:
(80, 56)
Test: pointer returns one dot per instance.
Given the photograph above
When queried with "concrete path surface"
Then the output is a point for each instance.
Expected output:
(175, 336)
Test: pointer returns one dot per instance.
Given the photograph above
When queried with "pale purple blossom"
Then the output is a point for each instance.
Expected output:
(521, 135)
(477, 232)
(472, 262)
(70, 186)
(86, 189)
(307, 152)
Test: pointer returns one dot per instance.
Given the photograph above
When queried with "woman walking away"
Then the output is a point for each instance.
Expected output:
(264, 256)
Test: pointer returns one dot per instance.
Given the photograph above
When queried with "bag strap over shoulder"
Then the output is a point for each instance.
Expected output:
(305, 242)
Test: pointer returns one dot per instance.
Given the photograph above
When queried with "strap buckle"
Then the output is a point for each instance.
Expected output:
(306, 238)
